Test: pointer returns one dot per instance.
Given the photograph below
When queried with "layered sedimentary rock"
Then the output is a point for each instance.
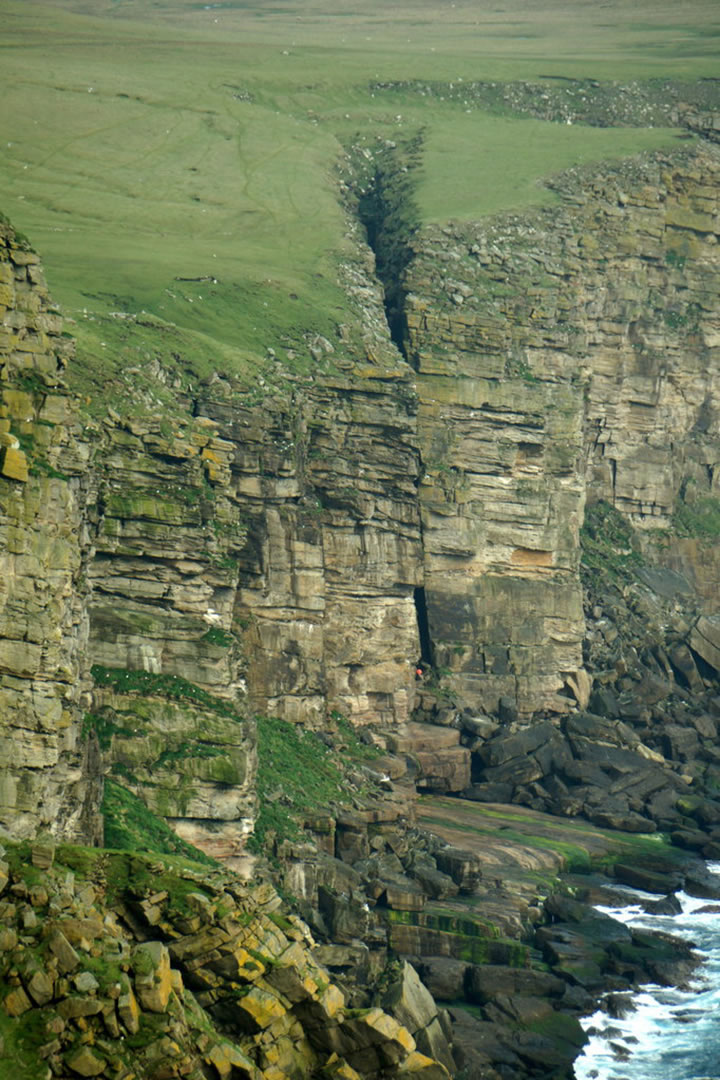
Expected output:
(266, 546)
(266, 541)
(332, 554)
(566, 354)
(49, 775)
(150, 970)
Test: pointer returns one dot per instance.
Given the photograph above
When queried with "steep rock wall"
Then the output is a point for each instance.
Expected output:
(49, 774)
(565, 354)
(264, 542)
(332, 552)
(259, 545)
(264, 546)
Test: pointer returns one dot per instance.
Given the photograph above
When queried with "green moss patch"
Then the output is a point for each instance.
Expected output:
(125, 681)
(700, 518)
(299, 774)
(21, 1038)
(608, 545)
(130, 826)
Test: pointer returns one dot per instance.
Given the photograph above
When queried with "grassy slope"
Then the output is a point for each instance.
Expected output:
(149, 140)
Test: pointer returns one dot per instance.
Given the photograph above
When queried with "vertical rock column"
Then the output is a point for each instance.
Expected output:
(561, 352)
(503, 490)
(49, 773)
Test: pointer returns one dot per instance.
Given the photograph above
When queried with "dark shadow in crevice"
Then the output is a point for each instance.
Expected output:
(426, 646)
(388, 211)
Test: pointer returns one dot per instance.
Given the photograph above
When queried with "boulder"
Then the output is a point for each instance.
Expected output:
(462, 866)
(434, 883)
(504, 748)
(626, 821)
(408, 1000)
(680, 743)
(484, 982)
(701, 883)
(480, 1045)
(86, 1062)
(434, 1042)
(705, 639)
(375, 1030)
(153, 980)
(601, 729)
(669, 905)
(17, 1002)
(683, 661)
(40, 987)
(417, 1065)
(129, 1011)
(63, 951)
(444, 977)
(489, 792)
(652, 881)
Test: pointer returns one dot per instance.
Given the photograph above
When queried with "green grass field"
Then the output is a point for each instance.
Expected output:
(180, 157)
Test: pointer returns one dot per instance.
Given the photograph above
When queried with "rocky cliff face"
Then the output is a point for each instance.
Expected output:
(561, 356)
(272, 549)
(118, 965)
(260, 547)
(49, 775)
(291, 549)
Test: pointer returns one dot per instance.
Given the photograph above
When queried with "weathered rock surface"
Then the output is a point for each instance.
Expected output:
(222, 985)
(275, 556)
(272, 553)
(562, 355)
(49, 775)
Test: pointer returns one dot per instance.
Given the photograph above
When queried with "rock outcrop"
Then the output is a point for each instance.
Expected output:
(271, 552)
(49, 775)
(124, 966)
(562, 356)
(295, 553)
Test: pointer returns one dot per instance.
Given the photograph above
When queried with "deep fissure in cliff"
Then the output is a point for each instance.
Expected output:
(426, 645)
(387, 209)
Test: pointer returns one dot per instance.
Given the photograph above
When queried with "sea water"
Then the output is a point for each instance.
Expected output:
(672, 1034)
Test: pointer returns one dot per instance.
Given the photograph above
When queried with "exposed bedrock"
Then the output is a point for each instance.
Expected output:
(49, 775)
(565, 355)
(295, 548)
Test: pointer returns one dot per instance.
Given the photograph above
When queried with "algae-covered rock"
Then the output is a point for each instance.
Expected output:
(153, 980)
(152, 1010)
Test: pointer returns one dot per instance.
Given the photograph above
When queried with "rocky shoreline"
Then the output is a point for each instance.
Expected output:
(118, 964)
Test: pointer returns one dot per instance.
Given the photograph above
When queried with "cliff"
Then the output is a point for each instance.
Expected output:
(50, 775)
(295, 554)
(564, 356)
(215, 603)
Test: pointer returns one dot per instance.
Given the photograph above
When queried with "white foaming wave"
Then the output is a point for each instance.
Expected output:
(659, 1039)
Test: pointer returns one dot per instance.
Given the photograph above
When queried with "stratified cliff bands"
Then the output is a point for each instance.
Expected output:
(562, 356)
(50, 775)
(296, 553)
(522, 499)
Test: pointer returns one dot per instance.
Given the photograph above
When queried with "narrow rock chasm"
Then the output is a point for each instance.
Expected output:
(426, 645)
(386, 208)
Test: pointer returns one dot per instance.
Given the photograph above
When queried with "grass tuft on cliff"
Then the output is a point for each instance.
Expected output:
(608, 545)
(130, 826)
(147, 683)
(699, 518)
(299, 776)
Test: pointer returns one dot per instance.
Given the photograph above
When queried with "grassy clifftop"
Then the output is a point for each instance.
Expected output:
(179, 158)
